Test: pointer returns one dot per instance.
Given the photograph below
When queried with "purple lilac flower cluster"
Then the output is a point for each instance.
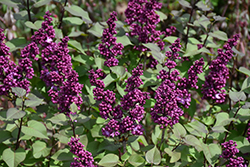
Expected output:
(153, 62)
(57, 72)
(173, 91)
(218, 75)
(248, 131)
(229, 152)
(109, 48)
(123, 118)
(12, 75)
(84, 158)
(141, 16)
(133, 102)
(191, 81)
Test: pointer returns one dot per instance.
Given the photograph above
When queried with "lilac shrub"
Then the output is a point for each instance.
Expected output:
(12, 75)
(216, 80)
(109, 48)
(83, 158)
(124, 118)
(173, 92)
(229, 153)
(57, 72)
(141, 17)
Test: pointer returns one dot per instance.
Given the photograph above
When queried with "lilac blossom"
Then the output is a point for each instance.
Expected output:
(216, 80)
(109, 48)
(173, 92)
(84, 158)
(229, 153)
(57, 72)
(123, 118)
(248, 131)
(191, 81)
(142, 18)
(12, 75)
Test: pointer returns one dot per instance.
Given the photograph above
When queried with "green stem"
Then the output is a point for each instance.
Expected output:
(162, 136)
(20, 128)
(231, 123)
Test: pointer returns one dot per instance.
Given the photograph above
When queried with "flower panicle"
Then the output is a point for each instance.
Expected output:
(109, 48)
(216, 80)
(57, 72)
(12, 75)
(84, 158)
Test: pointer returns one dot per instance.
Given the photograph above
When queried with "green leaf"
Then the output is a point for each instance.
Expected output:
(73, 107)
(120, 89)
(219, 129)
(99, 62)
(59, 119)
(78, 11)
(119, 70)
(237, 96)
(175, 156)
(219, 35)
(4, 136)
(95, 131)
(16, 43)
(191, 50)
(40, 149)
(58, 34)
(170, 39)
(136, 160)
(156, 134)
(31, 25)
(109, 160)
(155, 51)
(185, 3)
(124, 40)
(14, 113)
(108, 79)
(246, 84)
(202, 6)
(77, 45)
(73, 20)
(219, 18)
(33, 101)
(36, 129)
(162, 15)
(62, 136)
(20, 92)
(87, 60)
(222, 119)
(41, 3)
(62, 155)
(179, 130)
(135, 145)
(238, 52)
(77, 34)
(203, 21)
(84, 140)
(244, 71)
(153, 156)
(211, 152)
(13, 159)
(9, 3)
(193, 141)
(197, 128)
(96, 30)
